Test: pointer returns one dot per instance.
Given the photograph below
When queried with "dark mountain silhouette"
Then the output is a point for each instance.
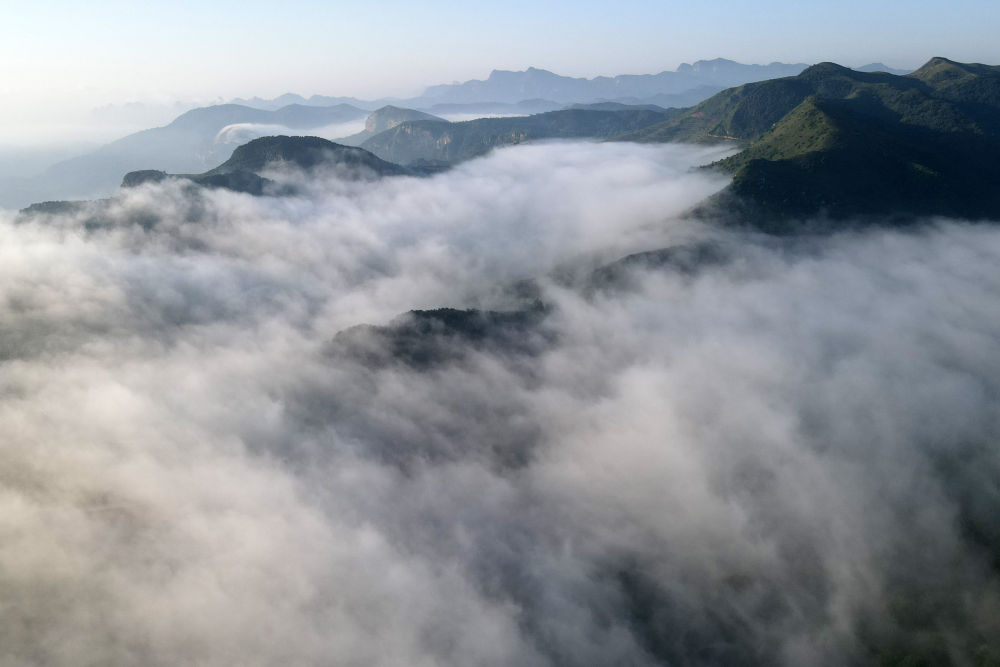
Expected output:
(842, 144)
(426, 338)
(437, 142)
(245, 171)
(242, 172)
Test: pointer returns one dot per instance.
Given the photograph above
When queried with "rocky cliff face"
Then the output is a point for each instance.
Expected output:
(389, 117)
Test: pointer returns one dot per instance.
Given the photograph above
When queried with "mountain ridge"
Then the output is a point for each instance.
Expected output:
(386, 118)
(242, 172)
(440, 142)
(188, 144)
(838, 143)
(514, 86)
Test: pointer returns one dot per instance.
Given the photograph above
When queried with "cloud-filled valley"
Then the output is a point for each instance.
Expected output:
(786, 456)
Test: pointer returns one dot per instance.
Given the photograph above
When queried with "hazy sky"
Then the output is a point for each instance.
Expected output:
(79, 55)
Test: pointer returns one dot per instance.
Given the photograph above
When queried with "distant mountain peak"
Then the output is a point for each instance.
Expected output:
(940, 60)
(390, 116)
(530, 72)
(824, 69)
(707, 65)
(242, 172)
(506, 86)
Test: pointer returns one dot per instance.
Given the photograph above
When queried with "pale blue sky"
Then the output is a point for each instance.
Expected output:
(115, 51)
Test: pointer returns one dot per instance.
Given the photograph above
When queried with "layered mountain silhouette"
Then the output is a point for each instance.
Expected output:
(509, 86)
(882, 67)
(438, 142)
(193, 142)
(689, 84)
(203, 137)
(839, 144)
(830, 145)
(483, 109)
(247, 171)
(314, 100)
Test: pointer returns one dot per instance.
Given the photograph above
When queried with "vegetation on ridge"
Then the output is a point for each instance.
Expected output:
(839, 143)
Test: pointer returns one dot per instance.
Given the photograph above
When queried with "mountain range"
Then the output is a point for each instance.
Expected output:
(192, 142)
(668, 88)
(247, 170)
(508, 86)
(195, 141)
(842, 144)
(689, 84)
(438, 142)
(829, 145)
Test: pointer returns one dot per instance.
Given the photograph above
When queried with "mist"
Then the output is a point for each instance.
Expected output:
(786, 456)
(241, 133)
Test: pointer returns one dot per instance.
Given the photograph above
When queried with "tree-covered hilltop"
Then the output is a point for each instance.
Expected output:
(303, 153)
(442, 142)
(841, 143)
(242, 172)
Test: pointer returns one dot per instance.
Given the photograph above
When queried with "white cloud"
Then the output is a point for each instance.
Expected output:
(753, 461)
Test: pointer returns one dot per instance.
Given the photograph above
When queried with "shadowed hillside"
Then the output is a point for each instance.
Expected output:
(840, 143)
(442, 142)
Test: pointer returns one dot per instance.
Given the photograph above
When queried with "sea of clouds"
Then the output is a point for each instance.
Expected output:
(787, 456)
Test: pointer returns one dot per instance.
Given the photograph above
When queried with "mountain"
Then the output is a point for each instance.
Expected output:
(306, 153)
(243, 171)
(689, 84)
(840, 143)
(313, 101)
(194, 141)
(483, 109)
(508, 86)
(423, 339)
(688, 98)
(617, 106)
(881, 67)
(384, 119)
(437, 142)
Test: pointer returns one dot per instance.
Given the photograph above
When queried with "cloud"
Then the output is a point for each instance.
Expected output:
(787, 457)
(240, 133)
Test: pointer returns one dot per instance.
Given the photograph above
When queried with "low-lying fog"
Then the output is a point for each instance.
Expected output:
(784, 457)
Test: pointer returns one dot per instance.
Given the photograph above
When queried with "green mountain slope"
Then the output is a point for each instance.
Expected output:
(439, 142)
(303, 153)
(841, 143)
(242, 172)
